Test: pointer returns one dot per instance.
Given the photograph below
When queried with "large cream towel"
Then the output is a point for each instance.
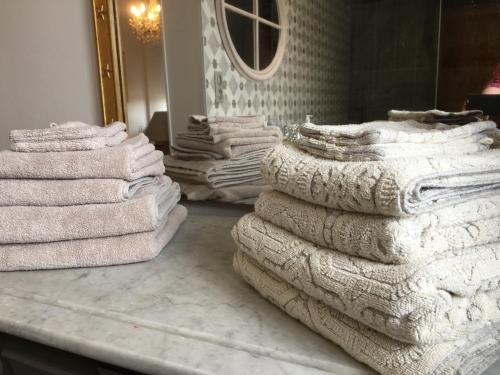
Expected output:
(129, 248)
(393, 187)
(384, 238)
(439, 299)
(133, 159)
(471, 355)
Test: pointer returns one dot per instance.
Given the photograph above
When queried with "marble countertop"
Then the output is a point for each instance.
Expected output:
(186, 312)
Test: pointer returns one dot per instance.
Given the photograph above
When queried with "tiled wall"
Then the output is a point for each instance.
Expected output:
(312, 79)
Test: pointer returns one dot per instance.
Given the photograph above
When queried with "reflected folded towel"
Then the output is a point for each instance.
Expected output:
(435, 115)
(129, 248)
(33, 224)
(70, 136)
(217, 173)
(439, 299)
(244, 194)
(398, 187)
(470, 355)
(383, 238)
(220, 125)
(133, 159)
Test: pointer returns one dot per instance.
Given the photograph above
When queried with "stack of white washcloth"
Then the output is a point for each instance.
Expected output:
(384, 238)
(78, 195)
(218, 158)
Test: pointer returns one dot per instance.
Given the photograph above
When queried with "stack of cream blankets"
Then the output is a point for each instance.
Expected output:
(77, 195)
(218, 158)
(393, 257)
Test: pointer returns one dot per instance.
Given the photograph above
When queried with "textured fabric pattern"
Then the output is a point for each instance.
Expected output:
(435, 115)
(383, 238)
(129, 248)
(439, 299)
(213, 126)
(471, 355)
(399, 187)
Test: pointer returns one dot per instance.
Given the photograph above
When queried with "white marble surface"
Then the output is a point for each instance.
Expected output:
(186, 312)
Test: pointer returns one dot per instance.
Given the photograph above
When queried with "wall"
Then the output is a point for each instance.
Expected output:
(312, 79)
(48, 69)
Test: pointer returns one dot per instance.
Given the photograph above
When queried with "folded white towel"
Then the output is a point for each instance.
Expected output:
(435, 115)
(244, 193)
(220, 125)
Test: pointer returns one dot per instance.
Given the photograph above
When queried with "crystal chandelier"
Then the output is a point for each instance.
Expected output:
(145, 21)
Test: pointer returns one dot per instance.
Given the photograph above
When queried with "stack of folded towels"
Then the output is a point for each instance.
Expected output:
(76, 195)
(384, 238)
(218, 158)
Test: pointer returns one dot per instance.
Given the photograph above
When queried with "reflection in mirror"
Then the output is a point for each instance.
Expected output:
(268, 44)
(241, 29)
(246, 5)
(268, 9)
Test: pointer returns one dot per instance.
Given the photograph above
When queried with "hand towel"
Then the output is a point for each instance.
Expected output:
(33, 224)
(389, 132)
(439, 299)
(129, 248)
(244, 194)
(220, 125)
(390, 187)
(217, 173)
(471, 355)
(383, 238)
(217, 138)
(29, 192)
(73, 136)
(133, 159)
(435, 115)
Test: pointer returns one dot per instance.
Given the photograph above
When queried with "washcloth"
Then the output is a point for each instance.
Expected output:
(133, 159)
(383, 238)
(217, 173)
(389, 132)
(435, 115)
(33, 224)
(471, 355)
(129, 248)
(29, 192)
(390, 187)
(70, 136)
(439, 299)
(244, 194)
(220, 125)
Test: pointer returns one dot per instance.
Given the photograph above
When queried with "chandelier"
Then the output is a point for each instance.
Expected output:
(145, 21)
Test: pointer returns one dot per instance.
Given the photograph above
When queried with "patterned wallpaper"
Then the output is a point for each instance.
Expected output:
(312, 79)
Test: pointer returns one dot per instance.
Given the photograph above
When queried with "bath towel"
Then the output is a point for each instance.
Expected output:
(27, 224)
(129, 248)
(133, 159)
(389, 132)
(383, 238)
(471, 355)
(441, 298)
(71, 136)
(390, 187)
(435, 115)
(216, 173)
(220, 125)
(244, 194)
(29, 192)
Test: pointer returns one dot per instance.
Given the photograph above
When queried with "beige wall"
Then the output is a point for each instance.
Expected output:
(48, 70)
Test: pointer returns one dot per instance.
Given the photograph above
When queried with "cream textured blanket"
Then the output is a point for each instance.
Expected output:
(435, 115)
(33, 224)
(392, 187)
(245, 194)
(130, 248)
(471, 355)
(133, 159)
(220, 125)
(383, 238)
(439, 299)
(70, 136)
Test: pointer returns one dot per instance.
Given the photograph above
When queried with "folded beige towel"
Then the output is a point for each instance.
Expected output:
(217, 138)
(29, 192)
(244, 194)
(220, 125)
(33, 224)
(439, 299)
(217, 173)
(129, 248)
(399, 187)
(70, 136)
(133, 159)
(471, 355)
(383, 238)
(435, 115)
